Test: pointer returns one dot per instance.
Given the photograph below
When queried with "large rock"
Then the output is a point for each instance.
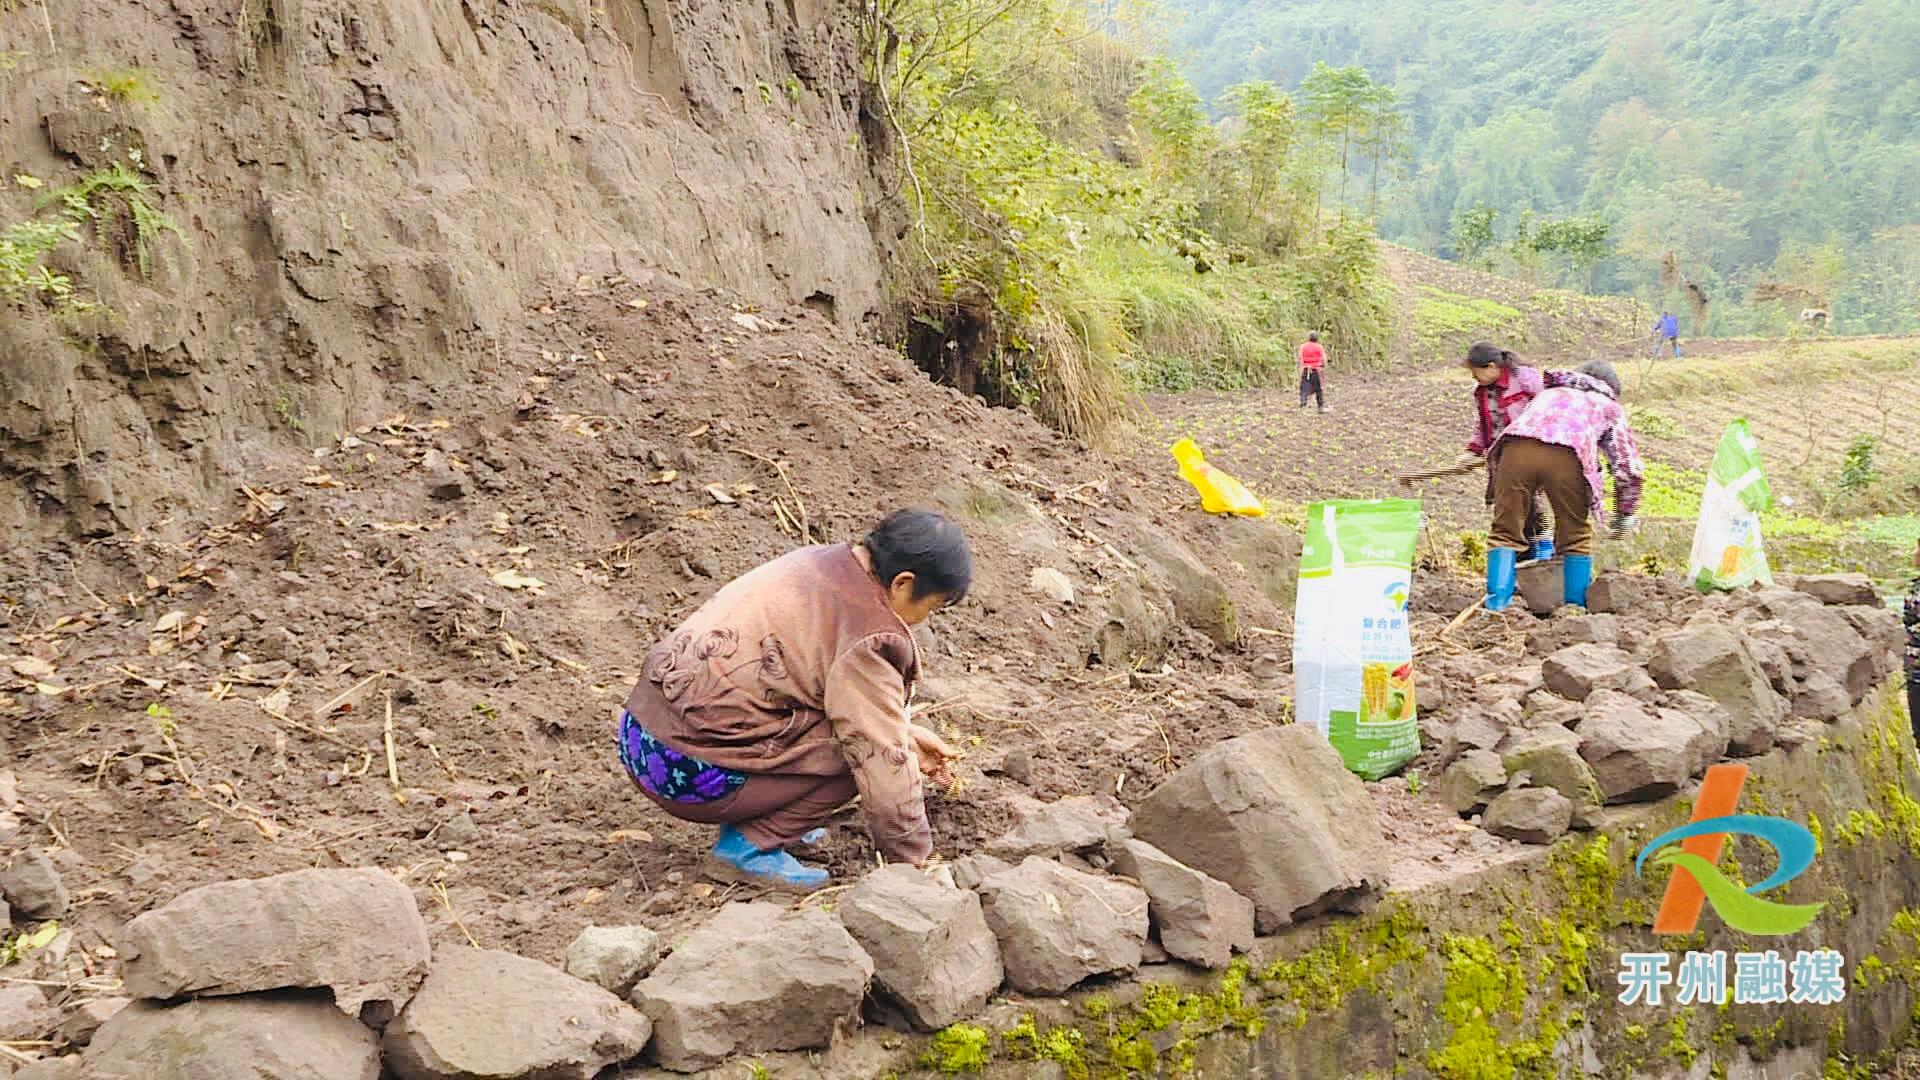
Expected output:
(1550, 758)
(1716, 727)
(1472, 782)
(613, 958)
(1714, 662)
(1276, 815)
(1836, 646)
(1078, 823)
(1483, 726)
(266, 1037)
(484, 1014)
(1544, 708)
(1779, 652)
(33, 887)
(970, 870)
(25, 1015)
(1530, 815)
(1637, 755)
(1618, 594)
(932, 950)
(756, 977)
(1841, 590)
(89, 1016)
(1576, 671)
(1575, 630)
(1821, 697)
(1201, 920)
(356, 932)
(1833, 642)
(1880, 628)
(1058, 926)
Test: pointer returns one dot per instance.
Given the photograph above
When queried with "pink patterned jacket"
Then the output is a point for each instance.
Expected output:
(1582, 415)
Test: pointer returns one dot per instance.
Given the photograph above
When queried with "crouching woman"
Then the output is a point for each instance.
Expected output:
(786, 694)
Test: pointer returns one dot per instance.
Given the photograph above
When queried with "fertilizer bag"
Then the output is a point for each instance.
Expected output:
(1726, 544)
(1352, 649)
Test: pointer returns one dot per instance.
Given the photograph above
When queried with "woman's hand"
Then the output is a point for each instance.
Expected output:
(934, 753)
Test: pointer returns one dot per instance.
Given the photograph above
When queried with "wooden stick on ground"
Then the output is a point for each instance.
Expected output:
(352, 695)
(806, 536)
(1460, 619)
(393, 765)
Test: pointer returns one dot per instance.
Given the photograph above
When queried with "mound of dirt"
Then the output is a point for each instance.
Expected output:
(473, 583)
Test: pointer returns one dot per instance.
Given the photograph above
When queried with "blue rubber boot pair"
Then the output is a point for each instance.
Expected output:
(735, 858)
(1577, 571)
(1501, 579)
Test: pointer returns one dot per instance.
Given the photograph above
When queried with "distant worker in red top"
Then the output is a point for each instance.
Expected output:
(1313, 364)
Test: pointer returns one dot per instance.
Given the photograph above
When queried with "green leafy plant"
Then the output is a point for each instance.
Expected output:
(102, 196)
(163, 722)
(22, 245)
(1858, 471)
(283, 408)
(124, 86)
(23, 944)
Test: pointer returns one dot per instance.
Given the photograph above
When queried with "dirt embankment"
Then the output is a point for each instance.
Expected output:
(644, 447)
(366, 194)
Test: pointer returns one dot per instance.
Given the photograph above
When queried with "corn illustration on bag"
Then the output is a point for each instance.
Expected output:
(1352, 646)
(1727, 553)
(1219, 493)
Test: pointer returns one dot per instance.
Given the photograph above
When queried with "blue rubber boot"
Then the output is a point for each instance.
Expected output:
(735, 858)
(1578, 572)
(1542, 548)
(1500, 577)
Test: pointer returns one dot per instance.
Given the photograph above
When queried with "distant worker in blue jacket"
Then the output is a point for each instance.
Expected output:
(1667, 332)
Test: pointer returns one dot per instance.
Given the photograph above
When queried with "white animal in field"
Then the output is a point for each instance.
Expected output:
(1815, 317)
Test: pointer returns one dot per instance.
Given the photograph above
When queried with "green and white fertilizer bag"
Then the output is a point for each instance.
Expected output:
(1726, 544)
(1352, 648)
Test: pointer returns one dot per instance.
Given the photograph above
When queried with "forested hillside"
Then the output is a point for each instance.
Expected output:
(1773, 149)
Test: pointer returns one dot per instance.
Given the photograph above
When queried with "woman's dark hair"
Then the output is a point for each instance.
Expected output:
(926, 545)
(1600, 369)
(1313, 336)
(1487, 354)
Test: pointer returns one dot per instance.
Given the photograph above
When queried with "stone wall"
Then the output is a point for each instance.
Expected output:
(1512, 972)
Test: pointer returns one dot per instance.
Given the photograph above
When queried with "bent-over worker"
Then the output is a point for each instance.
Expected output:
(787, 694)
(1555, 447)
(1503, 387)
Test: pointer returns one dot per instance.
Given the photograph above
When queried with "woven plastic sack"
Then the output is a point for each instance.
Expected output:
(1727, 553)
(1352, 646)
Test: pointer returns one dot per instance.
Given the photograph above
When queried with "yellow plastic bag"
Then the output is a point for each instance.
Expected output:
(1219, 493)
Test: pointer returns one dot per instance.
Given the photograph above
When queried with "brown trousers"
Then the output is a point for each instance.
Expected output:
(1527, 467)
(772, 810)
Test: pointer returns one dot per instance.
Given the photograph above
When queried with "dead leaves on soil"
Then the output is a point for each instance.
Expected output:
(172, 630)
(514, 579)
